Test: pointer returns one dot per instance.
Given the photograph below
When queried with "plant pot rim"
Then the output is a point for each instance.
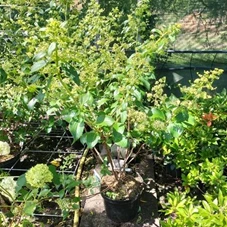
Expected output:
(127, 199)
(121, 200)
(15, 156)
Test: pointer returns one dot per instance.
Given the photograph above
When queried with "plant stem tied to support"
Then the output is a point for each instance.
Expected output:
(77, 188)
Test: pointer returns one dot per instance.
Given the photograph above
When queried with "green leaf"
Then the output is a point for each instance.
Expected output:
(104, 120)
(86, 99)
(182, 116)
(56, 177)
(32, 103)
(71, 72)
(137, 94)
(61, 193)
(145, 83)
(175, 130)
(220, 198)
(123, 142)
(51, 48)
(68, 115)
(123, 115)
(38, 65)
(172, 38)
(44, 192)
(206, 206)
(76, 129)
(176, 78)
(3, 76)
(100, 102)
(119, 137)
(90, 138)
(40, 96)
(29, 207)
(157, 114)
(21, 181)
(39, 56)
(118, 129)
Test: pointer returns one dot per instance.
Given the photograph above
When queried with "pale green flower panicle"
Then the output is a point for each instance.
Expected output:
(4, 148)
(38, 176)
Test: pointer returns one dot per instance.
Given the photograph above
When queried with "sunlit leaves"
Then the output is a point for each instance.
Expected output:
(71, 72)
(51, 48)
(90, 139)
(38, 65)
(86, 99)
(104, 120)
(29, 207)
(158, 114)
(76, 129)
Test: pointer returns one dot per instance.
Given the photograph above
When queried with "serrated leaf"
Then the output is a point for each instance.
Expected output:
(51, 48)
(38, 65)
(76, 129)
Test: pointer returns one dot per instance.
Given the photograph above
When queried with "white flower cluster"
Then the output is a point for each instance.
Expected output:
(4, 148)
(9, 186)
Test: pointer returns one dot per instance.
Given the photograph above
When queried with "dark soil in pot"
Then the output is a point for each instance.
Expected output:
(122, 197)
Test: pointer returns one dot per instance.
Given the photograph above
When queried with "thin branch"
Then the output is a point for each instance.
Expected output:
(136, 153)
(98, 154)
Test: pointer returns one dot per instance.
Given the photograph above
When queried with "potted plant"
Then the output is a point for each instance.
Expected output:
(6, 156)
(96, 73)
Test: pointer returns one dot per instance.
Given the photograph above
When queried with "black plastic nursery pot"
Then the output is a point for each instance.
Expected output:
(172, 170)
(121, 210)
(9, 162)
